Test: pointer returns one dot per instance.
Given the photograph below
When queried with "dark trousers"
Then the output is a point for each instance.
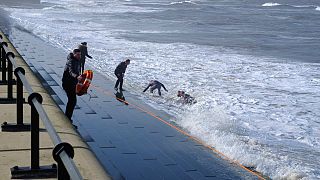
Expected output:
(72, 100)
(119, 80)
(82, 66)
(156, 87)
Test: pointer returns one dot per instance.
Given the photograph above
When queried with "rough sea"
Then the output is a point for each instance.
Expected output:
(253, 66)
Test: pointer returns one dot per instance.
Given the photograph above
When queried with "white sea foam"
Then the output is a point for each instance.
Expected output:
(54, 7)
(270, 4)
(263, 114)
(85, 6)
(183, 2)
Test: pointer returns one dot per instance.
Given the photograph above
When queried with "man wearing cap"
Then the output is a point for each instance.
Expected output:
(70, 78)
(84, 54)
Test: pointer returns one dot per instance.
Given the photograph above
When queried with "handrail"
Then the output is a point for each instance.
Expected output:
(25, 82)
(63, 153)
(68, 163)
(45, 119)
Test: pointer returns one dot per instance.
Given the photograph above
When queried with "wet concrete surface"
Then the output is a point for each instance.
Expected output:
(128, 141)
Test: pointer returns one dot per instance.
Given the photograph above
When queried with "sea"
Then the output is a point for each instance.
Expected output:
(252, 65)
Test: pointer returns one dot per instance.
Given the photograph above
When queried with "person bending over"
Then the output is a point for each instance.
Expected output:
(119, 72)
(154, 84)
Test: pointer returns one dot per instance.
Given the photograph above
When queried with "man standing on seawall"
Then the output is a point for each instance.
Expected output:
(84, 53)
(70, 78)
(119, 72)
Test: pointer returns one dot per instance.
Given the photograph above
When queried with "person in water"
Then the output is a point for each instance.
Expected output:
(119, 72)
(154, 84)
(70, 78)
(84, 53)
(186, 98)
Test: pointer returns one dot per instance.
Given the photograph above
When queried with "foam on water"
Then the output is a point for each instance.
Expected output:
(260, 112)
(183, 2)
(270, 4)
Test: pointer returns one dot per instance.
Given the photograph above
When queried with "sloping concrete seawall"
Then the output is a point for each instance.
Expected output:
(15, 147)
(131, 141)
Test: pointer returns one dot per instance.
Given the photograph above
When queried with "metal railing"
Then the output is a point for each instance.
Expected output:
(62, 153)
(7, 74)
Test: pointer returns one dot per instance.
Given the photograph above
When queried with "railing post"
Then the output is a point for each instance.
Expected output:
(3, 60)
(10, 74)
(1, 49)
(62, 171)
(20, 99)
(9, 82)
(19, 126)
(34, 131)
(1, 55)
(35, 171)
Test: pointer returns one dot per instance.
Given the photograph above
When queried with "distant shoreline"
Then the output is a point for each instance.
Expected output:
(24, 3)
(10, 2)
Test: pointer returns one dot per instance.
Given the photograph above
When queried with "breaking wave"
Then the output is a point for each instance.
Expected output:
(183, 2)
(272, 4)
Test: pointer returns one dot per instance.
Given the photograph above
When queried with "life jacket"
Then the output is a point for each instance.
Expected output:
(83, 85)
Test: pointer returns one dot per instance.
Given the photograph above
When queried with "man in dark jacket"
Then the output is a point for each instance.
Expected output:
(70, 78)
(119, 72)
(154, 84)
(84, 54)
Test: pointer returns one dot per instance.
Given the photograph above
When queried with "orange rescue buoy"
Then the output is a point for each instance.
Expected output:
(83, 85)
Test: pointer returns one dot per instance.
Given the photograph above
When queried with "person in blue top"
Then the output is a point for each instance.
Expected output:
(119, 72)
(154, 84)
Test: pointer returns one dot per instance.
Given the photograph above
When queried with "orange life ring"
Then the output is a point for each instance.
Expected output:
(83, 85)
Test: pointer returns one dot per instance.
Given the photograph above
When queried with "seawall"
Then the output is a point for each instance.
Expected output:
(15, 147)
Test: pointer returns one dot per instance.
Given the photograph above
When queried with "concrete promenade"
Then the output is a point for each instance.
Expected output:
(131, 141)
(15, 146)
